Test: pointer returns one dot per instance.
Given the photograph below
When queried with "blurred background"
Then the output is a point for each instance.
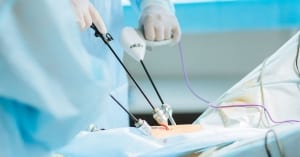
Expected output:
(223, 40)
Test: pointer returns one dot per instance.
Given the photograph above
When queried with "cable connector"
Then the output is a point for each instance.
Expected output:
(167, 109)
(160, 116)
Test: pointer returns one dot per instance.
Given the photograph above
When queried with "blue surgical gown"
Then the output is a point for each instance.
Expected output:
(50, 86)
(54, 79)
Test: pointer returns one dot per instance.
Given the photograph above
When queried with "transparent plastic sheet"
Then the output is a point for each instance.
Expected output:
(288, 138)
(273, 84)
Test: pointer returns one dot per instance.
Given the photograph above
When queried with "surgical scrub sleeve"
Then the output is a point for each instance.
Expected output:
(48, 91)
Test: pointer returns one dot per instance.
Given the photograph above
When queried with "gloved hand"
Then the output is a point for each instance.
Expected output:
(159, 23)
(86, 14)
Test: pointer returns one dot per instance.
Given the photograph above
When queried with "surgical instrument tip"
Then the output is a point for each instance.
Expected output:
(142, 125)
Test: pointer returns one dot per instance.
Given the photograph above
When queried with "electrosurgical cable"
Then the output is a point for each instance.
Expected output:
(210, 104)
(279, 146)
(106, 41)
(262, 95)
(186, 78)
(254, 105)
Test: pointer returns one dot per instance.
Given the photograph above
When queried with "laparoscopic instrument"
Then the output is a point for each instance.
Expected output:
(135, 45)
(141, 124)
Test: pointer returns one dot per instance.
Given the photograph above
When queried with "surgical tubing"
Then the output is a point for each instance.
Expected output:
(186, 78)
(255, 105)
(210, 104)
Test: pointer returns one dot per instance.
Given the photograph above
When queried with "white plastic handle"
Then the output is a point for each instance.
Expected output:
(134, 43)
(155, 43)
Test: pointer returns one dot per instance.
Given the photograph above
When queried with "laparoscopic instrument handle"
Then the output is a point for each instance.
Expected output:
(105, 37)
(106, 40)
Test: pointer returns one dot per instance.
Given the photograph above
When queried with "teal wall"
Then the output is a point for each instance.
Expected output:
(216, 16)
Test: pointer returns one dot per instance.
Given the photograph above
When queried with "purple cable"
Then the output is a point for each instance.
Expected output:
(186, 78)
(209, 104)
(255, 105)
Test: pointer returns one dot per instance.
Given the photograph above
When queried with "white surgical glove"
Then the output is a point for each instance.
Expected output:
(86, 14)
(158, 21)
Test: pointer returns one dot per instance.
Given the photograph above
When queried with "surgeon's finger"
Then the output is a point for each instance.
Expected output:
(167, 33)
(78, 13)
(79, 18)
(176, 34)
(97, 20)
(87, 21)
(159, 32)
(81, 21)
(149, 32)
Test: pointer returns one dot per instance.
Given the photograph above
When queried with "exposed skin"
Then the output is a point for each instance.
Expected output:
(161, 132)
